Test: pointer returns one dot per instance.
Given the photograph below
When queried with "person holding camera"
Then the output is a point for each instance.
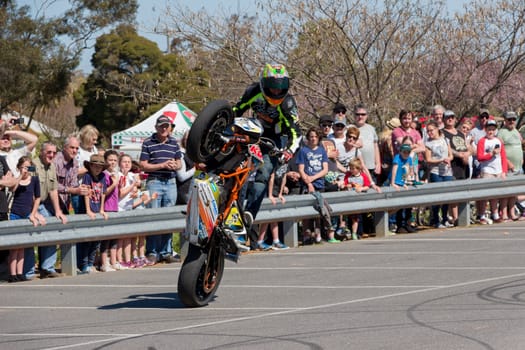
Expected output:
(492, 164)
(11, 154)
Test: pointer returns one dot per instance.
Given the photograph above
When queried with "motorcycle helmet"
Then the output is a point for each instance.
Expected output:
(274, 83)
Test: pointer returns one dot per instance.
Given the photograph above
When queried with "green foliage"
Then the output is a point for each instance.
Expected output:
(37, 66)
(133, 78)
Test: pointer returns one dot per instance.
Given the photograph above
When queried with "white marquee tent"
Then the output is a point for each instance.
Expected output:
(130, 140)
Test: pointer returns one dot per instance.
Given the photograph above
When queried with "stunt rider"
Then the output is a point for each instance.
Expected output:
(277, 111)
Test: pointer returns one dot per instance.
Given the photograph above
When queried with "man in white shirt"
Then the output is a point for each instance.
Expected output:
(369, 141)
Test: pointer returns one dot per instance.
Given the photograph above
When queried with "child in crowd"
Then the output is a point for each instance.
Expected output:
(111, 246)
(355, 180)
(312, 162)
(493, 164)
(131, 197)
(92, 204)
(402, 170)
(26, 199)
(273, 187)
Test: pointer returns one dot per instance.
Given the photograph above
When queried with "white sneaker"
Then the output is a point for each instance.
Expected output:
(107, 268)
(117, 266)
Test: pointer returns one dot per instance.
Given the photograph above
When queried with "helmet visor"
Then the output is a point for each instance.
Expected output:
(276, 83)
(274, 101)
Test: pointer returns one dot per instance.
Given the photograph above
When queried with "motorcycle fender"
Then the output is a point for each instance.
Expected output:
(193, 225)
(203, 210)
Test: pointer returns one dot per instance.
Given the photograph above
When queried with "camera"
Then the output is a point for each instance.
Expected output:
(18, 121)
(31, 168)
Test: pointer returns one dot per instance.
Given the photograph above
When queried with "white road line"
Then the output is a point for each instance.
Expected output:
(66, 335)
(284, 312)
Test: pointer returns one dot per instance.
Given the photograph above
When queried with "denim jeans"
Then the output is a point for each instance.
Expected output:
(160, 245)
(75, 203)
(444, 207)
(47, 255)
(86, 254)
(259, 188)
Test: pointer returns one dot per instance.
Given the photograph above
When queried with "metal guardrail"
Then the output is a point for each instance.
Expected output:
(80, 228)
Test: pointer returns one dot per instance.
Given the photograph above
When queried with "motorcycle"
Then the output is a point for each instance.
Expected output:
(230, 149)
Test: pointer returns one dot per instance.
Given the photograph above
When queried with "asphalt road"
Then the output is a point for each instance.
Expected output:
(436, 289)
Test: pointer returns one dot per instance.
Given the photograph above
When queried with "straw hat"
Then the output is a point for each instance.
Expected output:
(393, 123)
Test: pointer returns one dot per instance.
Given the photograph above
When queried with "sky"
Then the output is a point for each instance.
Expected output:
(151, 12)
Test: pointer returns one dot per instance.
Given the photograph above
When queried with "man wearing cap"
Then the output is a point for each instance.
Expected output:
(461, 151)
(512, 141)
(161, 158)
(49, 206)
(339, 127)
(325, 123)
(478, 131)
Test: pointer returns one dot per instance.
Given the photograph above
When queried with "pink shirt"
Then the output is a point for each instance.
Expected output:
(399, 133)
(111, 202)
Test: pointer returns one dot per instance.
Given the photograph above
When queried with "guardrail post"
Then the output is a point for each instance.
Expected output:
(69, 259)
(464, 214)
(381, 223)
(184, 244)
(290, 234)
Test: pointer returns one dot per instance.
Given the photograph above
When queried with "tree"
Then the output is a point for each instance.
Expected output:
(133, 78)
(335, 51)
(478, 59)
(388, 54)
(37, 66)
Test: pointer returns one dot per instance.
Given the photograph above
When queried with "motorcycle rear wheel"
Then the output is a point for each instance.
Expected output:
(204, 139)
(200, 275)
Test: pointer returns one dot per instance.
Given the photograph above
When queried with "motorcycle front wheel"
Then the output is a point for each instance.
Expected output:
(200, 275)
(205, 143)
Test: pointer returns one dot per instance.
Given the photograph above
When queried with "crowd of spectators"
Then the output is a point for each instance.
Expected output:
(85, 179)
(413, 150)
(345, 153)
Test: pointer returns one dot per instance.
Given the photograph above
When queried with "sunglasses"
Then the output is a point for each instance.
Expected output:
(511, 119)
(351, 137)
(360, 114)
(340, 111)
(51, 152)
(326, 125)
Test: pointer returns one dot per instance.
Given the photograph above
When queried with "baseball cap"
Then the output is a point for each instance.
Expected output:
(340, 119)
(163, 120)
(326, 119)
(510, 115)
(491, 122)
(339, 107)
(405, 147)
(484, 111)
(448, 114)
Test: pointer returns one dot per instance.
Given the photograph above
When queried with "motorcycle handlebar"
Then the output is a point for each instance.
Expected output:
(274, 151)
